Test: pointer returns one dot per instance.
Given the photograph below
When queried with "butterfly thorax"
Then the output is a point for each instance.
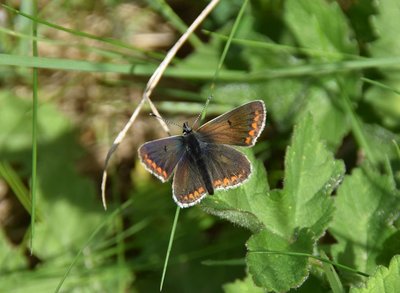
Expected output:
(195, 150)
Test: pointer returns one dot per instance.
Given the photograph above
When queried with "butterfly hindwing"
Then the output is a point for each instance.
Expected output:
(240, 127)
(188, 187)
(227, 166)
(161, 156)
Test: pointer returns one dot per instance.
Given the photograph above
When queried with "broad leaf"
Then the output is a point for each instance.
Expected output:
(321, 26)
(386, 24)
(367, 204)
(270, 265)
(384, 279)
(311, 174)
(387, 43)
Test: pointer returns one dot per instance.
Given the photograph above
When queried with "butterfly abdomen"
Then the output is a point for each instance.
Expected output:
(196, 153)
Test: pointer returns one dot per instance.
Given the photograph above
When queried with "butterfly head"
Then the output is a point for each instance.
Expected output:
(186, 129)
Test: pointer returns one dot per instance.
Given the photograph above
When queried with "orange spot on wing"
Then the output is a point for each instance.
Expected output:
(154, 165)
(165, 174)
(234, 178)
(248, 140)
(252, 132)
(201, 189)
(254, 125)
(159, 170)
(226, 181)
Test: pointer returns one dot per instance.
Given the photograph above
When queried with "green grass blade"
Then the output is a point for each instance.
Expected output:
(381, 85)
(17, 186)
(34, 130)
(397, 148)
(299, 254)
(137, 70)
(171, 240)
(332, 276)
(284, 48)
(315, 69)
(222, 59)
(80, 65)
(358, 130)
(227, 45)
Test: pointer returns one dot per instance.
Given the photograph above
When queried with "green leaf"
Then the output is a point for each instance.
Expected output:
(384, 280)
(279, 271)
(320, 25)
(386, 24)
(367, 204)
(311, 174)
(290, 100)
(242, 286)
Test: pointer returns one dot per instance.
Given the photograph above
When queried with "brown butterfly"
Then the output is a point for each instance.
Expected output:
(203, 159)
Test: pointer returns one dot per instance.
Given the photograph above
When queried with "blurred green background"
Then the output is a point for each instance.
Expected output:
(338, 60)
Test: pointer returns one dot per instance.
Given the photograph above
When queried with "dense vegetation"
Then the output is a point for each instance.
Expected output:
(321, 210)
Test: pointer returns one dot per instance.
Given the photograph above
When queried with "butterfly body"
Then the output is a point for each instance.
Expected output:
(196, 154)
(203, 160)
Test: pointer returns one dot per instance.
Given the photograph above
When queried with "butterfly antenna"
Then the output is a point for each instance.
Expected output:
(201, 114)
(166, 120)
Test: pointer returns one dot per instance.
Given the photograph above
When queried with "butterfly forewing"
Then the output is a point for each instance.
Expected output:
(227, 166)
(240, 127)
(188, 187)
(161, 156)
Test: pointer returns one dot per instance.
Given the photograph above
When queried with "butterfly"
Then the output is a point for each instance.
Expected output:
(204, 160)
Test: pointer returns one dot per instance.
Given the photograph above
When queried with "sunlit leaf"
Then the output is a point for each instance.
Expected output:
(367, 204)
